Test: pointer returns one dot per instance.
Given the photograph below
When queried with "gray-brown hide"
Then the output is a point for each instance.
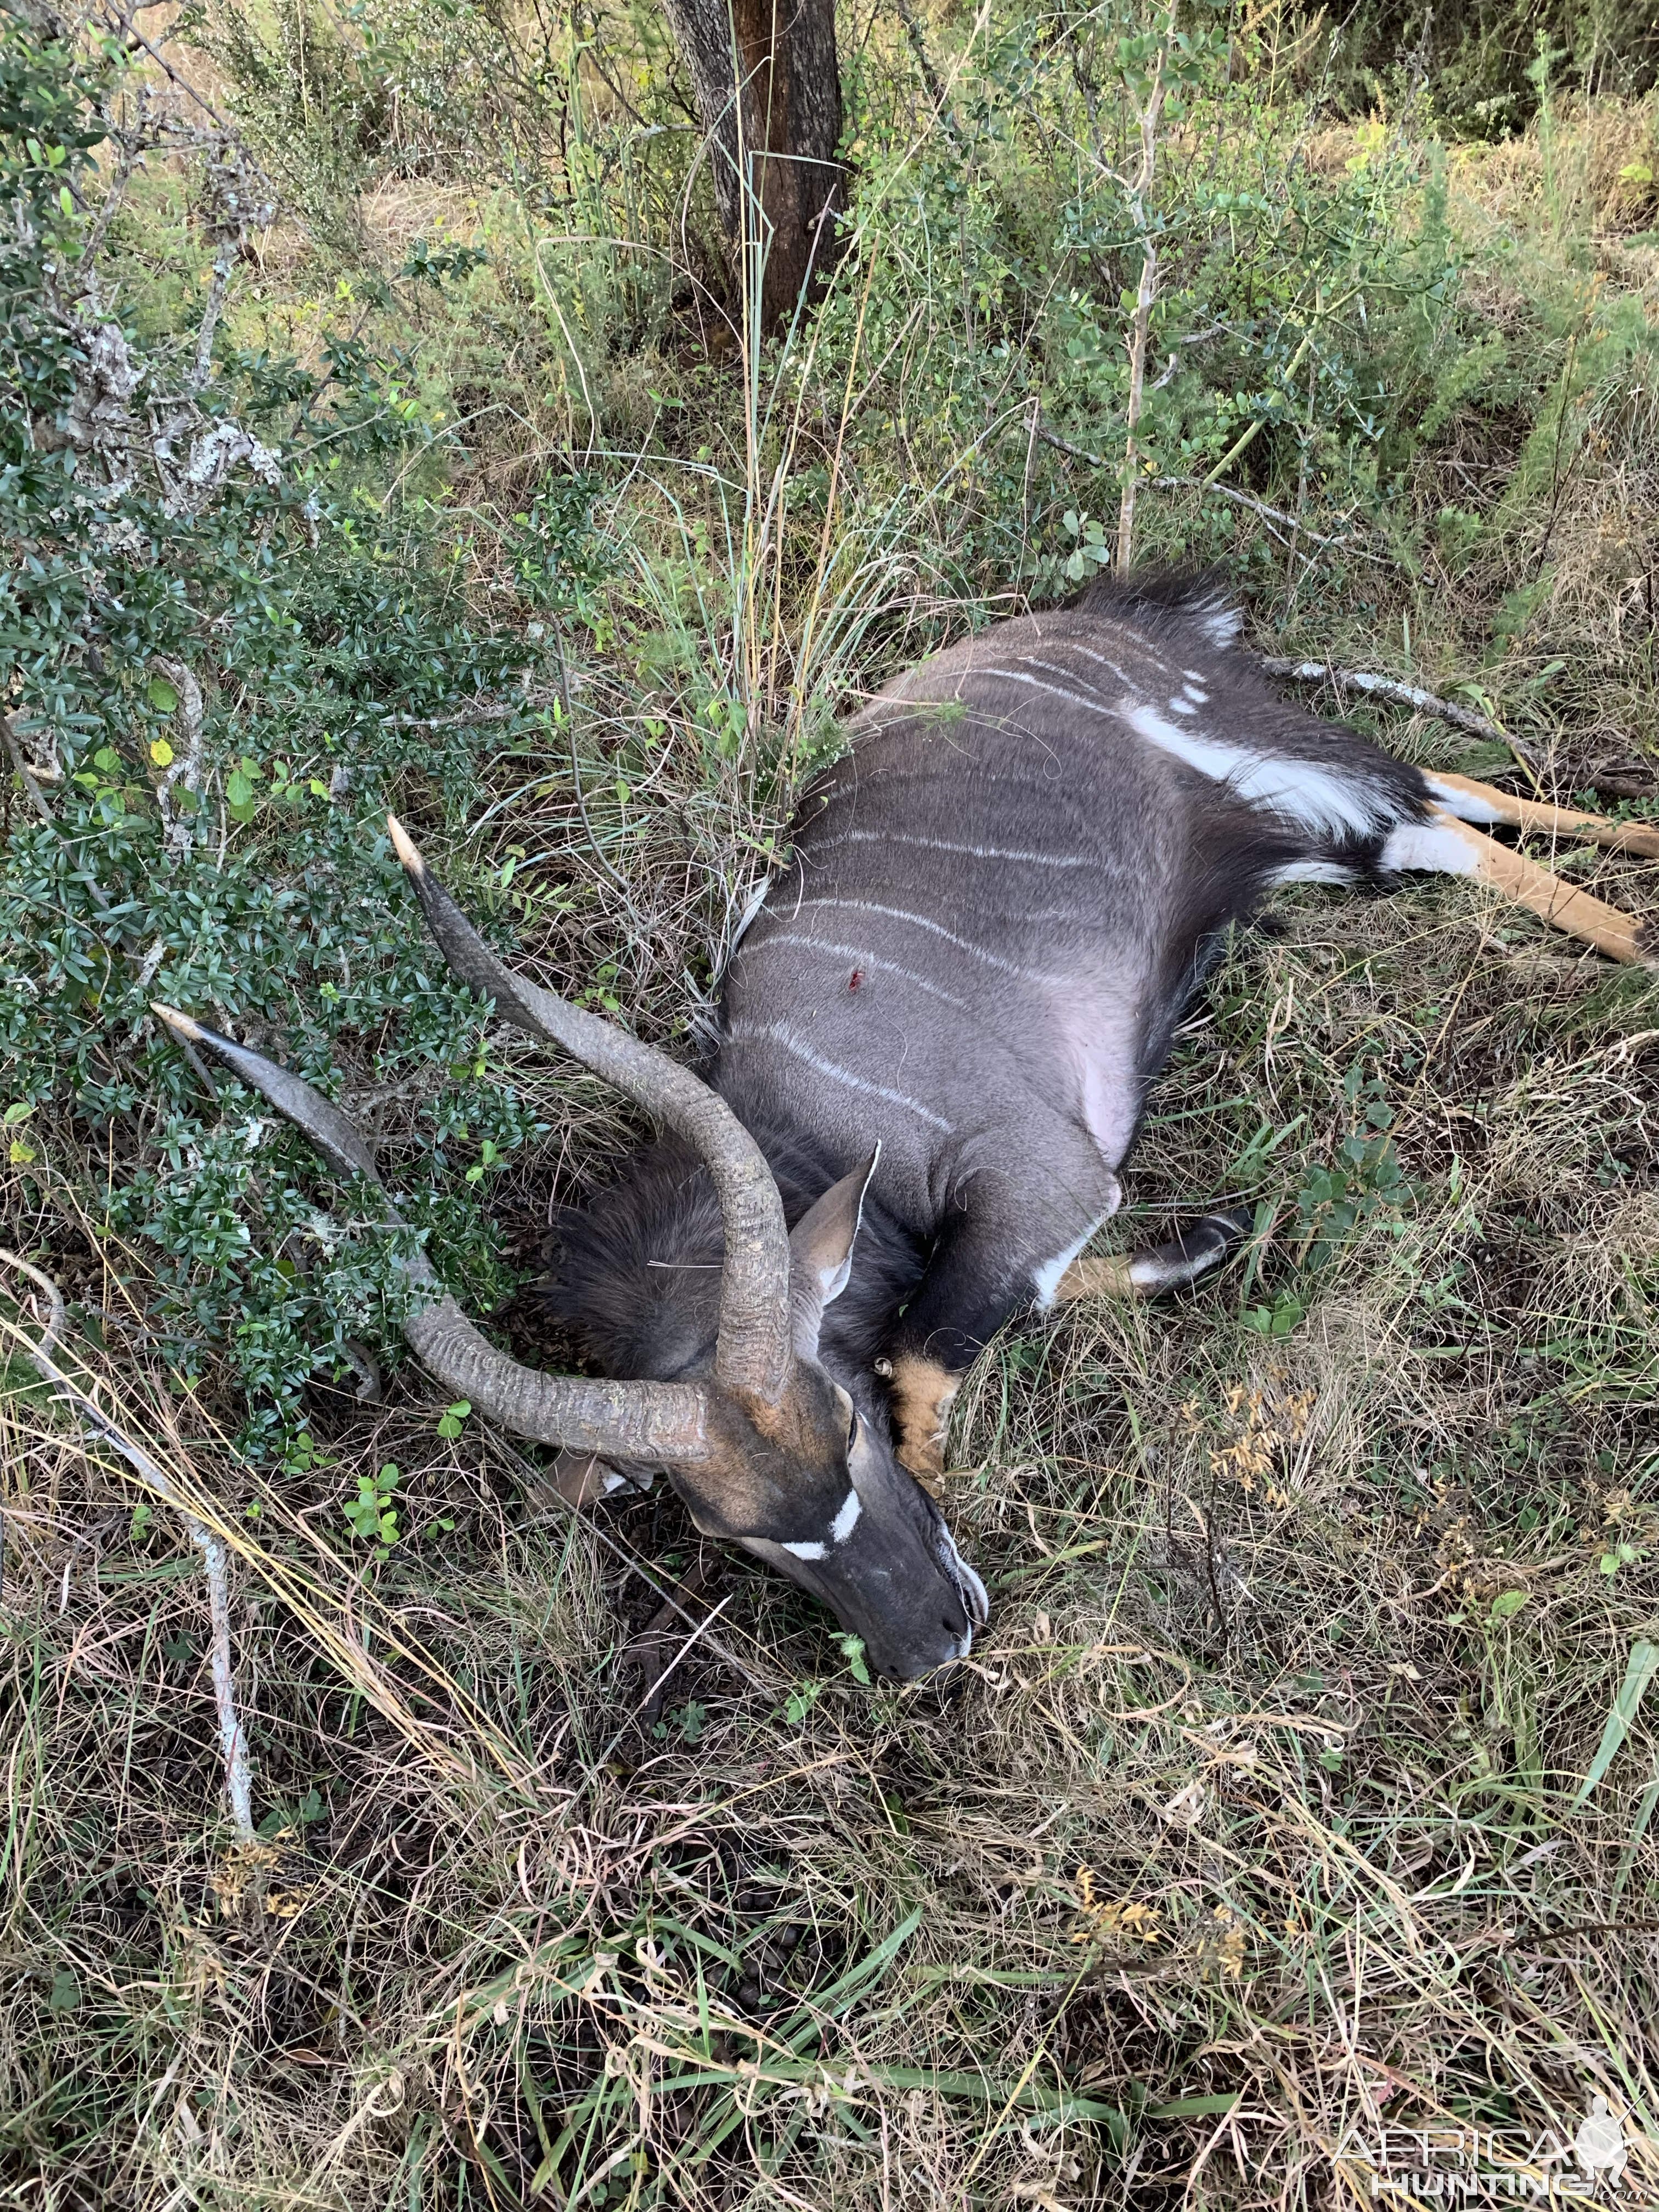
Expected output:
(999, 904)
(941, 1023)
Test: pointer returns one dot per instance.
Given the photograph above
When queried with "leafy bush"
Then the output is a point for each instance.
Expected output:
(227, 651)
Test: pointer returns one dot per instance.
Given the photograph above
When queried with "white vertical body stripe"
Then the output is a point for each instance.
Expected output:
(860, 958)
(921, 921)
(946, 845)
(775, 1033)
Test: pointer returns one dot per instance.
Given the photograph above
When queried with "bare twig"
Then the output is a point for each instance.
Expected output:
(129, 144)
(25, 772)
(49, 1290)
(1402, 695)
(115, 20)
(1260, 507)
(930, 76)
(223, 262)
(1140, 327)
(184, 772)
(1031, 437)
(1201, 484)
(233, 1743)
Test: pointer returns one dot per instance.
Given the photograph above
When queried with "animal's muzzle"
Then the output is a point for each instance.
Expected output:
(975, 1601)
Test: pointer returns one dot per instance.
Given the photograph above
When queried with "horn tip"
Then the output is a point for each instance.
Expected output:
(174, 1020)
(405, 847)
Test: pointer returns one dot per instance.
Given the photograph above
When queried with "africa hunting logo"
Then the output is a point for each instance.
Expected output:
(1491, 2165)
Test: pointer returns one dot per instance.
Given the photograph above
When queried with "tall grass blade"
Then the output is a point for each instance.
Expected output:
(1638, 1673)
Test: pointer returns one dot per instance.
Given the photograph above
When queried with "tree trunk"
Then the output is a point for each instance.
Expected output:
(772, 128)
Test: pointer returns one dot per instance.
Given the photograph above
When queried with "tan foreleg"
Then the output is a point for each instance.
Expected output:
(1100, 1275)
(1591, 920)
(1483, 803)
(1202, 1245)
(922, 1395)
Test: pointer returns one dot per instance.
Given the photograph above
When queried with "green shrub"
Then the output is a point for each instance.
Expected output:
(227, 852)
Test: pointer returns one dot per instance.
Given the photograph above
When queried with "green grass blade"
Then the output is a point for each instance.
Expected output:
(977, 2088)
(1644, 1660)
(831, 2003)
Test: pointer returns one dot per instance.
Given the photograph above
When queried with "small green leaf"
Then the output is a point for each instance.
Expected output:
(160, 694)
(161, 752)
(852, 1650)
(801, 1702)
(453, 1417)
(1507, 1603)
(65, 1994)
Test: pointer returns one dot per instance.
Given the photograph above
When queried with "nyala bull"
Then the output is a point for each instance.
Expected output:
(936, 1041)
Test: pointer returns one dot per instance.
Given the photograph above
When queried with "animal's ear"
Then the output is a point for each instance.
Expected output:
(820, 1253)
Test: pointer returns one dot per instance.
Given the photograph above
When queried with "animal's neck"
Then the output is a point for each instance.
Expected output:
(634, 1277)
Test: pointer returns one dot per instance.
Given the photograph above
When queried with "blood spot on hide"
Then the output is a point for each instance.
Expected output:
(855, 979)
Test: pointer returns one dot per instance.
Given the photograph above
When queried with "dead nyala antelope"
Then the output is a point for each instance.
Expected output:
(936, 1040)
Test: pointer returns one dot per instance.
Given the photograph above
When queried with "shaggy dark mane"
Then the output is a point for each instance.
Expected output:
(633, 1277)
(1166, 601)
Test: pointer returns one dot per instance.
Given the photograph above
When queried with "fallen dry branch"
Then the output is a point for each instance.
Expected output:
(1402, 695)
(239, 1773)
(184, 772)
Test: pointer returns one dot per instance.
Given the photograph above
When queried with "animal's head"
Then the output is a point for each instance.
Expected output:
(766, 1449)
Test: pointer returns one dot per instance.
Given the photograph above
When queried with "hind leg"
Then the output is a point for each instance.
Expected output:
(1445, 846)
(1479, 804)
